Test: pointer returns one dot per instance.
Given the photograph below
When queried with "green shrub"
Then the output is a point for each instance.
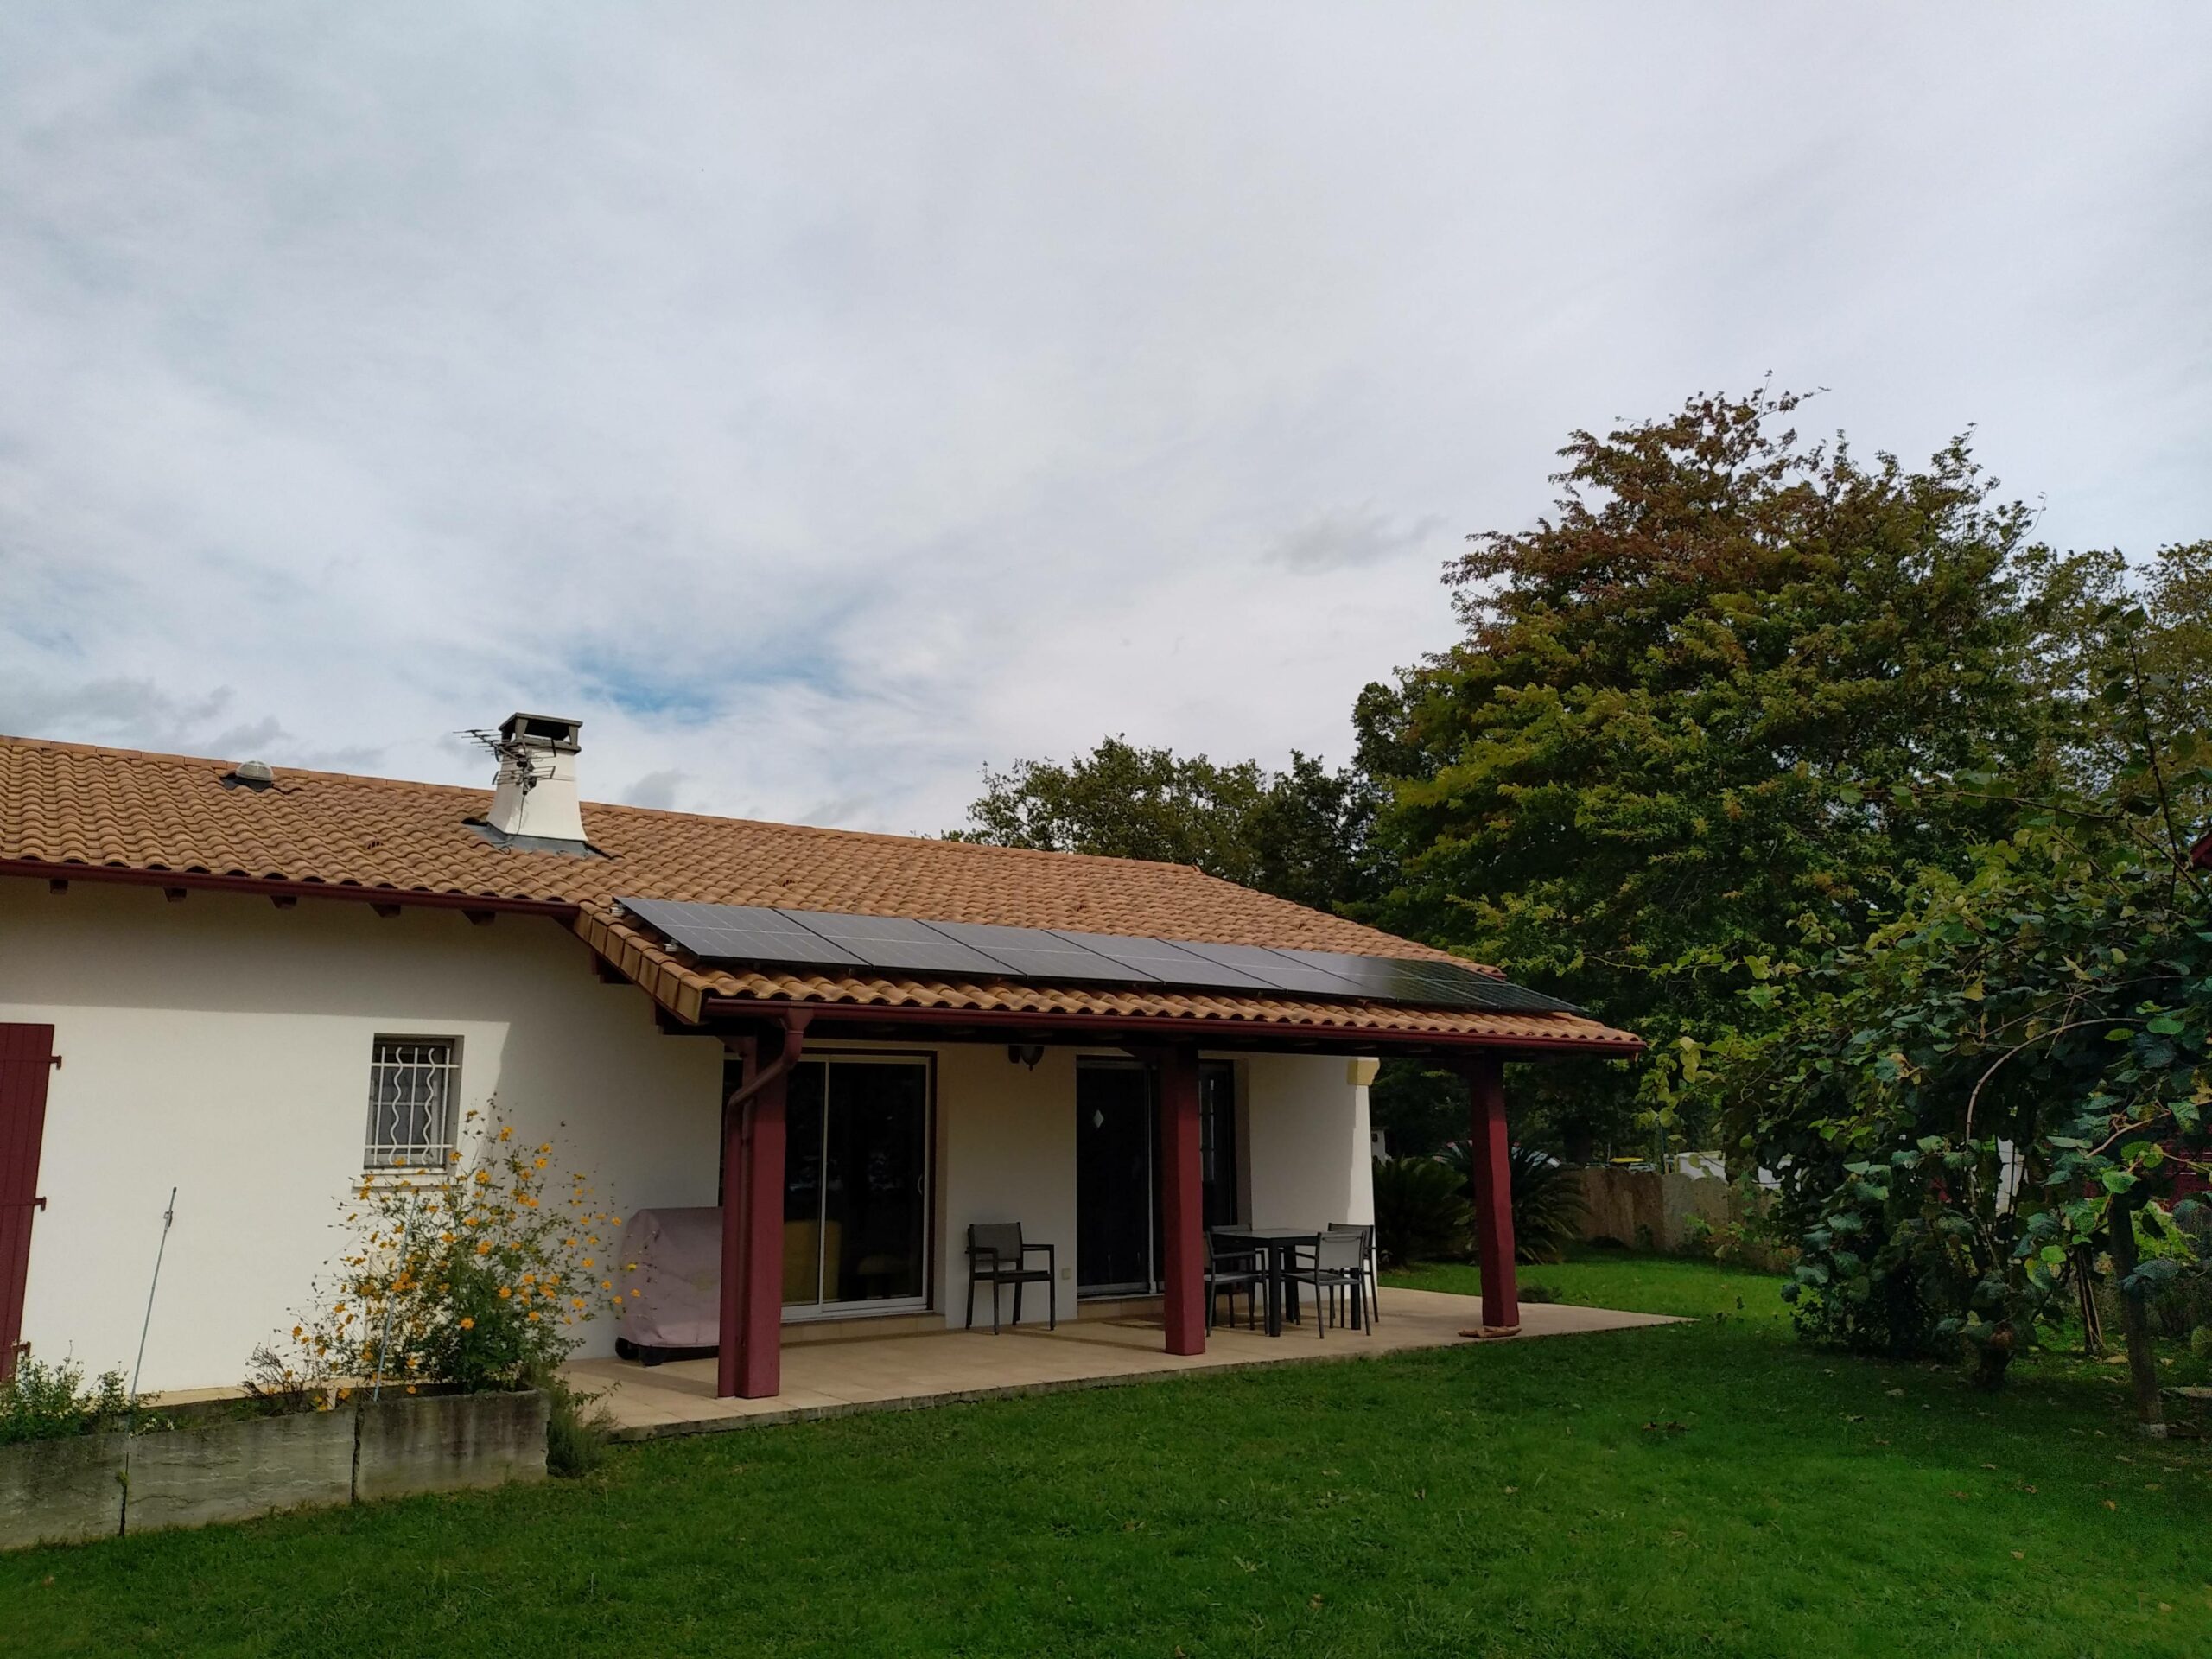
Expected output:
(577, 1426)
(1421, 1213)
(1548, 1207)
(52, 1403)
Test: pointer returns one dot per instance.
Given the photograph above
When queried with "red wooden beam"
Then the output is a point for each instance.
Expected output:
(1493, 1198)
(1182, 1202)
(749, 1362)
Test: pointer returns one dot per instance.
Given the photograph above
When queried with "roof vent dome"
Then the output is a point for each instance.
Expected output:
(253, 774)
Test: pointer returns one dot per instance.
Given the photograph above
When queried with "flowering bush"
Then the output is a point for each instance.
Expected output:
(52, 1403)
(475, 1277)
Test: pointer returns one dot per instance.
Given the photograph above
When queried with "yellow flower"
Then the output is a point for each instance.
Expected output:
(505, 1293)
(533, 1319)
(469, 1325)
(483, 1247)
(508, 1133)
(540, 1164)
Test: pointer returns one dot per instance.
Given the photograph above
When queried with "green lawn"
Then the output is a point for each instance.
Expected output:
(1640, 1284)
(1698, 1489)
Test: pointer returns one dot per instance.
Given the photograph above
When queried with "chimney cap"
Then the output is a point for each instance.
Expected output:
(547, 731)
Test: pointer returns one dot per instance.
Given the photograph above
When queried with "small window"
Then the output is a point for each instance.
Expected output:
(411, 1085)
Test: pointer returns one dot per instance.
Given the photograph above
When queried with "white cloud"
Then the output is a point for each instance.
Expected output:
(823, 403)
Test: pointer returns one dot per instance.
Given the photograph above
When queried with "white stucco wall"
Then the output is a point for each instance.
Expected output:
(1306, 1141)
(222, 1046)
(1006, 1152)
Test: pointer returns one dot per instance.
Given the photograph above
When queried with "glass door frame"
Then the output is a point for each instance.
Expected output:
(1150, 1285)
(879, 1306)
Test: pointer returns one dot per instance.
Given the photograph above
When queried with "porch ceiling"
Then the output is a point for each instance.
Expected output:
(996, 1009)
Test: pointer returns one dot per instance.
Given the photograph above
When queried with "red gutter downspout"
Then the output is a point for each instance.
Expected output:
(748, 1363)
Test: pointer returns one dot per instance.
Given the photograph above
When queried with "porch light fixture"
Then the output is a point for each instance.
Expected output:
(1025, 1054)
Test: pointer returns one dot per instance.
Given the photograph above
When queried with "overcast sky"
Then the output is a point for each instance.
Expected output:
(824, 402)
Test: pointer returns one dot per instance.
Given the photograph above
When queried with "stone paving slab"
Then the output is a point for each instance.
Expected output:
(908, 1371)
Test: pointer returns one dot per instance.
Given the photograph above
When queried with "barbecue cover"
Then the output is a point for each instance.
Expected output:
(679, 1278)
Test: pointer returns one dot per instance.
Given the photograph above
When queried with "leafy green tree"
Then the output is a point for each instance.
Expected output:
(1299, 833)
(1669, 755)
(2055, 1000)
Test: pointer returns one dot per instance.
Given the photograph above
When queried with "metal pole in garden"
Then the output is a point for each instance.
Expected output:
(384, 1342)
(168, 1218)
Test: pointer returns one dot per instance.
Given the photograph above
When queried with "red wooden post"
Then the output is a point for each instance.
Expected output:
(1493, 1199)
(749, 1363)
(1182, 1202)
(26, 1059)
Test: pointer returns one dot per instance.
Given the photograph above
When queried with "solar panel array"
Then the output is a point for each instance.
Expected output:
(750, 933)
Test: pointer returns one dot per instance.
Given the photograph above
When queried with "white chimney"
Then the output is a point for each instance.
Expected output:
(535, 796)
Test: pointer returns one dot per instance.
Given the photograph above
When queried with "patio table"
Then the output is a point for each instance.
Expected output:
(1276, 1244)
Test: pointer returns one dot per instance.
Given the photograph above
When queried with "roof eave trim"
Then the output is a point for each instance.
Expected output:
(210, 881)
(1180, 1027)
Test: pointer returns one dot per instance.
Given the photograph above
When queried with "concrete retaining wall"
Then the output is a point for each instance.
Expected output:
(445, 1442)
(1646, 1210)
(61, 1492)
(101, 1486)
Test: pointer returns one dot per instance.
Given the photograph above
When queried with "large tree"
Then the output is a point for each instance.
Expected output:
(1670, 754)
(1299, 833)
(2000, 1087)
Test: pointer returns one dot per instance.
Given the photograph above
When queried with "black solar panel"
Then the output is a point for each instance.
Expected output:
(1274, 969)
(1355, 976)
(1399, 979)
(1505, 997)
(896, 944)
(900, 945)
(739, 933)
(1033, 953)
(1172, 964)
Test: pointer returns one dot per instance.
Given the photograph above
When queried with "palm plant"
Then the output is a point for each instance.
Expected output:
(1422, 1212)
(1548, 1207)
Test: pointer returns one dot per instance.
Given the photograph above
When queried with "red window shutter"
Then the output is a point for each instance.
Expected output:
(25, 1061)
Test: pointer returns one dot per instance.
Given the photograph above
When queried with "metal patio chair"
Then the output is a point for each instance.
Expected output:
(1229, 1272)
(1334, 1265)
(997, 1256)
(1366, 1232)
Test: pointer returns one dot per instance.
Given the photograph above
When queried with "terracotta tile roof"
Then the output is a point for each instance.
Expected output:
(66, 807)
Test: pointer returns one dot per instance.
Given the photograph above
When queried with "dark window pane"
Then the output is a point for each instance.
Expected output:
(803, 1183)
(876, 1175)
(1217, 1143)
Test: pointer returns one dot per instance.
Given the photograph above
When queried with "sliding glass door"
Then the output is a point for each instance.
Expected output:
(856, 1185)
